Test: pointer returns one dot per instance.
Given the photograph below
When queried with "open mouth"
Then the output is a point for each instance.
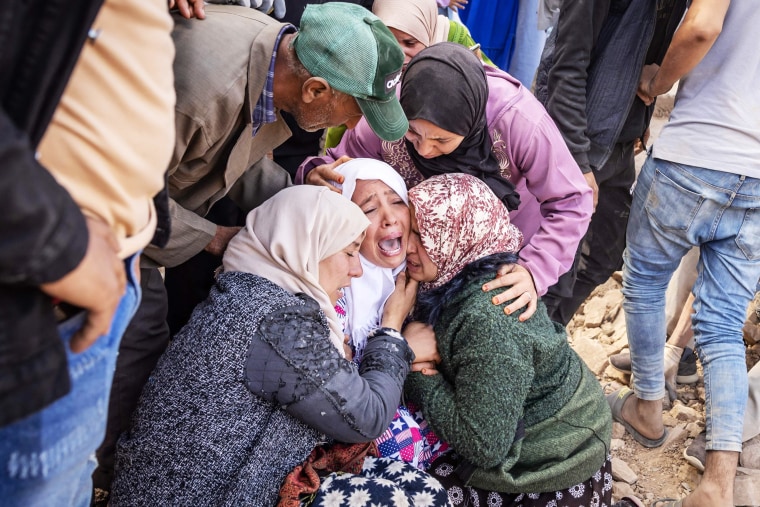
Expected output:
(391, 245)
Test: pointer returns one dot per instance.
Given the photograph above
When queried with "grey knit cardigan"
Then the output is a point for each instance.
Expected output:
(244, 393)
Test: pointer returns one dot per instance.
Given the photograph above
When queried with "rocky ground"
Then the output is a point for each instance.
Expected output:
(598, 331)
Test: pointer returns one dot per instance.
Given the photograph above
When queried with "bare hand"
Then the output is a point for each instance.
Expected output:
(645, 91)
(326, 174)
(591, 181)
(96, 285)
(400, 302)
(426, 368)
(189, 8)
(221, 239)
(347, 347)
(521, 289)
(457, 4)
(421, 339)
(641, 143)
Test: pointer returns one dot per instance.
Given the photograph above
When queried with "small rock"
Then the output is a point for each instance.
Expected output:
(620, 338)
(694, 429)
(622, 472)
(614, 300)
(614, 374)
(752, 329)
(746, 490)
(595, 312)
(592, 353)
(592, 334)
(683, 413)
(617, 443)
(621, 489)
(677, 436)
(617, 431)
(668, 420)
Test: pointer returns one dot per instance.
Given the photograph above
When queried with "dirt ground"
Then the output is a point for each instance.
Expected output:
(598, 330)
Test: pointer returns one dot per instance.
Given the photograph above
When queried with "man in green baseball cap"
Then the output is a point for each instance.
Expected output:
(234, 72)
(356, 54)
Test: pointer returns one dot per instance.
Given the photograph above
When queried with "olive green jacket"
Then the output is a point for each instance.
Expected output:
(498, 374)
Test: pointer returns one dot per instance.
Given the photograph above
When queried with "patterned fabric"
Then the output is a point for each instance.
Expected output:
(382, 482)
(305, 479)
(460, 221)
(409, 438)
(263, 111)
(594, 492)
(427, 94)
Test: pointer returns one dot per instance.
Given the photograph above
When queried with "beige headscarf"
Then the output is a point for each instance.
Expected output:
(285, 238)
(418, 18)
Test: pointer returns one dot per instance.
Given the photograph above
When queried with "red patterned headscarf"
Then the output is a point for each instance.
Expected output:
(460, 220)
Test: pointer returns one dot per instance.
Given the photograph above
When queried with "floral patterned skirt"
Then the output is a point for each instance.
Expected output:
(594, 492)
(382, 482)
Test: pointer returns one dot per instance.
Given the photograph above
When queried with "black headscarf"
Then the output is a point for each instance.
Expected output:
(445, 84)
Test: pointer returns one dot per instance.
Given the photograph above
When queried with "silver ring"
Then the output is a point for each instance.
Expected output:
(530, 296)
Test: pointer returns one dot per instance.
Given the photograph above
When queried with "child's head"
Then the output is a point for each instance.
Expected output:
(381, 194)
(455, 220)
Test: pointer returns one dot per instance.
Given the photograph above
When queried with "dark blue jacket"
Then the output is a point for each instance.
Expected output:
(590, 69)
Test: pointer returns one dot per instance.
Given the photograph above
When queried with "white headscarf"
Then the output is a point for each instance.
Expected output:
(418, 18)
(286, 237)
(366, 297)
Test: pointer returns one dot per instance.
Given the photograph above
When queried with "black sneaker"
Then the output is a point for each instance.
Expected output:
(687, 367)
(695, 453)
(621, 362)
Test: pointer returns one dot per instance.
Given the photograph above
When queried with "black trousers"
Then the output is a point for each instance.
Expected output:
(145, 339)
(600, 252)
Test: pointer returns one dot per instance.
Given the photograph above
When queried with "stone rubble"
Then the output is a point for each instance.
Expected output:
(598, 331)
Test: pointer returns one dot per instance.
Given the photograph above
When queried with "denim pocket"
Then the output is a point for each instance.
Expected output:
(670, 205)
(748, 237)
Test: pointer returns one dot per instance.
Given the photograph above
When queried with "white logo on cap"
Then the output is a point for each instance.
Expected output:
(391, 83)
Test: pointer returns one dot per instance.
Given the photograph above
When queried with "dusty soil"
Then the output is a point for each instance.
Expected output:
(597, 331)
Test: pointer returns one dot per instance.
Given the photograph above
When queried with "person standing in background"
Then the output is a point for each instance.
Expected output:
(699, 187)
(78, 213)
(587, 81)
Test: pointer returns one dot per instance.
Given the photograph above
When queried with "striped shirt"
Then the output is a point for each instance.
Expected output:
(264, 111)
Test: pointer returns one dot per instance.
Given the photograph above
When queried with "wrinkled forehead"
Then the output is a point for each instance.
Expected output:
(366, 187)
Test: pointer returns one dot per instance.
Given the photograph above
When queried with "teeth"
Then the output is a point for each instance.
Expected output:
(390, 245)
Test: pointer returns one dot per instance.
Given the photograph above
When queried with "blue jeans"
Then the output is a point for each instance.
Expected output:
(47, 458)
(674, 208)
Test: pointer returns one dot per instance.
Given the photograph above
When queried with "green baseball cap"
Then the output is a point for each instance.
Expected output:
(353, 50)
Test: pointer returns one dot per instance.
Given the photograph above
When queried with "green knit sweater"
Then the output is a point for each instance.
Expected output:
(496, 371)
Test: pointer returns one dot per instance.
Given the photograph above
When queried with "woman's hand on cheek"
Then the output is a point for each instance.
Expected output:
(400, 302)
(421, 339)
(520, 289)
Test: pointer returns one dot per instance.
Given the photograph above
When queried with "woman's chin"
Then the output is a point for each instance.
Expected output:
(383, 260)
